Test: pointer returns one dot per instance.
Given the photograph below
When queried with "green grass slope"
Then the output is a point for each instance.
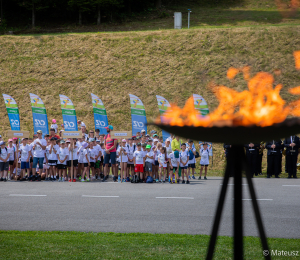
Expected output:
(171, 63)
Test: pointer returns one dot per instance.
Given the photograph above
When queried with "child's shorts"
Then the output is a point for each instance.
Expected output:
(148, 166)
(25, 165)
(139, 168)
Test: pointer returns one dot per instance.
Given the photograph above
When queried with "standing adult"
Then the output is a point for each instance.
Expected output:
(110, 145)
(176, 144)
(53, 134)
(273, 160)
(292, 145)
(39, 146)
(252, 156)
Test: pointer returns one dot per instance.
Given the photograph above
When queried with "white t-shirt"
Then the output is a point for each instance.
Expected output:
(163, 160)
(174, 161)
(11, 151)
(38, 151)
(184, 157)
(169, 150)
(139, 157)
(75, 150)
(131, 150)
(151, 154)
(24, 150)
(4, 153)
(52, 156)
(204, 156)
(124, 157)
(194, 159)
(93, 153)
(157, 153)
(86, 152)
(61, 154)
(55, 127)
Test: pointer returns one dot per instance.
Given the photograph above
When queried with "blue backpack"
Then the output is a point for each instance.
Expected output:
(191, 155)
(149, 179)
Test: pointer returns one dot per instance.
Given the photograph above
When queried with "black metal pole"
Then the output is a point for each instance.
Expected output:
(238, 153)
(257, 213)
(214, 233)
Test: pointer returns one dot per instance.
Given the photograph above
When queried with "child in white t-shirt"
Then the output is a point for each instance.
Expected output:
(85, 161)
(192, 162)
(204, 161)
(54, 125)
(162, 160)
(123, 158)
(149, 159)
(174, 166)
(62, 156)
(139, 162)
(184, 159)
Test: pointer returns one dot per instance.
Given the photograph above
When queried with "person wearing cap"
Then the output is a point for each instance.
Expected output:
(139, 163)
(192, 159)
(53, 134)
(12, 150)
(204, 161)
(52, 149)
(39, 147)
(143, 132)
(4, 164)
(123, 155)
(149, 160)
(83, 131)
(174, 167)
(130, 165)
(110, 145)
(25, 153)
(62, 156)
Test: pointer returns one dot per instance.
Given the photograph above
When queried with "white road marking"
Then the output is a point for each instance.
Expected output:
(292, 185)
(258, 199)
(25, 195)
(92, 196)
(233, 184)
(186, 198)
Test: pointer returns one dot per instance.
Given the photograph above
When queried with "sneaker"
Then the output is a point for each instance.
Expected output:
(70, 180)
(187, 182)
(183, 181)
(119, 179)
(199, 178)
(205, 178)
(193, 177)
(74, 180)
(156, 180)
(1, 179)
(115, 178)
(189, 177)
(164, 181)
(46, 179)
(9, 179)
(178, 181)
(128, 179)
(159, 181)
(4, 179)
(87, 180)
(62, 179)
(103, 180)
(82, 180)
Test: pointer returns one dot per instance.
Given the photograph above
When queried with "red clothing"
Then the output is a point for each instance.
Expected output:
(110, 143)
(57, 136)
(139, 168)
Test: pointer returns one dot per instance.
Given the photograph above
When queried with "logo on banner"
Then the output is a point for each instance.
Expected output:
(8, 101)
(35, 101)
(14, 122)
(38, 122)
(198, 102)
(138, 124)
(69, 124)
(100, 123)
(65, 102)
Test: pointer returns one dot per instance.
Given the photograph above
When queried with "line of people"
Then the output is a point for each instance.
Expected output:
(142, 158)
(276, 149)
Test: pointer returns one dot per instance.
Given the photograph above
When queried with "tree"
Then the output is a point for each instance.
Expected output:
(158, 4)
(99, 4)
(34, 5)
(82, 5)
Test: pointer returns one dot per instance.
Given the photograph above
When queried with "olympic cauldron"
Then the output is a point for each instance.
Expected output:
(254, 115)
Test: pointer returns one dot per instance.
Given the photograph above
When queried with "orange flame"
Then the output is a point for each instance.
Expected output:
(260, 105)
(297, 59)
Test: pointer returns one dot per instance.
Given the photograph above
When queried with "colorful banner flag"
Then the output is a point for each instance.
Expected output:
(163, 105)
(13, 112)
(138, 115)
(202, 107)
(39, 114)
(200, 104)
(68, 113)
(100, 116)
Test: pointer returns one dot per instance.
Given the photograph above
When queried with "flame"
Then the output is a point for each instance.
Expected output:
(260, 105)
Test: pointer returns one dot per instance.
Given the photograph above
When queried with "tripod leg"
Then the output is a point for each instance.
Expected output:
(215, 229)
(238, 153)
(256, 211)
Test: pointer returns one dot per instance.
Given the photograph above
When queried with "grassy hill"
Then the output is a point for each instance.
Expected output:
(171, 63)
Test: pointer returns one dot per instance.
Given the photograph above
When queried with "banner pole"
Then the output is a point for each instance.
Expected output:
(72, 167)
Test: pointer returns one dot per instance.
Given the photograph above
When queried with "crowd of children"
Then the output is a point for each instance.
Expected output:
(141, 158)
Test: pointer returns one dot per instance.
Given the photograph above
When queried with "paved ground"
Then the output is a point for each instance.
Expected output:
(126, 207)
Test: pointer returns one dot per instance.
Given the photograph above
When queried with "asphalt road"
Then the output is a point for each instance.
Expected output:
(153, 208)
